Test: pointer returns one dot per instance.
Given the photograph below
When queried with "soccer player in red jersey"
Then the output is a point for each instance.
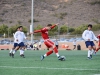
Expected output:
(98, 43)
(47, 41)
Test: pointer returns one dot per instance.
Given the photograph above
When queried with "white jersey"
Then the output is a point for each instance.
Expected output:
(20, 36)
(15, 41)
(88, 34)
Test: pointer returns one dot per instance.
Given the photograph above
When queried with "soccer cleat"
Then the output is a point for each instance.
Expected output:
(22, 55)
(42, 57)
(91, 56)
(62, 58)
(59, 58)
(10, 54)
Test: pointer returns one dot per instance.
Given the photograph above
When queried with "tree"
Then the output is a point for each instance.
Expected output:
(80, 29)
(71, 30)
(3, 29)
(63, 29)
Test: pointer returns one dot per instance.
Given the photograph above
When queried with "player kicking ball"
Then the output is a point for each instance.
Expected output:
(89, 37)
(48, 42)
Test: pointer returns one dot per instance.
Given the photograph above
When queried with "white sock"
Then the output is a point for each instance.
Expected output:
(11, 51)
(57, 54)
(20, 52)
(89, 52)
(45, 55)
(92, 51)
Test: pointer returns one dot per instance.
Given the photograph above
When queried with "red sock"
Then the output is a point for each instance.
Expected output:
(50, 52)
(97, 49)
(55, 50)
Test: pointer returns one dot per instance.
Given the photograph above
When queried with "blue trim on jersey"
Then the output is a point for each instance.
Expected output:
(89, 43)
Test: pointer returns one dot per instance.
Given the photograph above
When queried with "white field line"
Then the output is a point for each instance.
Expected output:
(47, 68)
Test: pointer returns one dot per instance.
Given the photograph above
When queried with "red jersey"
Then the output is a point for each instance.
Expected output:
(44, 32)
(98, 36)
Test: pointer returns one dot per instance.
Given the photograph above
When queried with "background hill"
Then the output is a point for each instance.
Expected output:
(74, 12)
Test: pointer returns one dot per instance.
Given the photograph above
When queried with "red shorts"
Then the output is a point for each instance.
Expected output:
(48, 43)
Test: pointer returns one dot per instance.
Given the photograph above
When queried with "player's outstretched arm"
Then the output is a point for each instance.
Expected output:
(36, 31)
(54, 25)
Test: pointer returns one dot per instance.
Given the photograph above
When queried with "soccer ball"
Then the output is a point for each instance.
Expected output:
(63, 58)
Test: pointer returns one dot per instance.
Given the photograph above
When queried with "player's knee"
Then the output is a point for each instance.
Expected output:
(94, 47)
(23, 48)
(54, 46)
(89, 47)
(51, 48)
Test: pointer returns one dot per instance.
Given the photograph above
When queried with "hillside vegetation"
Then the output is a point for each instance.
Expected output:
(70, 12)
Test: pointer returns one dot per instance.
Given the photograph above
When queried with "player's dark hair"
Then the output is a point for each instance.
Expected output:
(90, 25)
(19, 27)
(49, 25)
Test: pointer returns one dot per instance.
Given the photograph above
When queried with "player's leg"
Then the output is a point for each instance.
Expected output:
(98, 47)
(93, 48)
(22, 49)
(16, 47)
(10, 52)
(22, 52)
(88, 45)
(52, 45)
(49, 52)
(57, 54)
(14, 51)
(89, 52)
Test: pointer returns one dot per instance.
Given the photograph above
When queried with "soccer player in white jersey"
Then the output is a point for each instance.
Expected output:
(20, 36)
(14, 45)
(89, 37)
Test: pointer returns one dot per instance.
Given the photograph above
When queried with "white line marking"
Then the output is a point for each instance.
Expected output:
(48, 68)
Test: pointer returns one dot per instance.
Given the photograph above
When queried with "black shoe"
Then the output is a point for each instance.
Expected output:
(91, 56)
(10, 54)
(59, 58)
(22, 56)
(42, 57)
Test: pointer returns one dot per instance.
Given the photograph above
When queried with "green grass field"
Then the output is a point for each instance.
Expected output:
(76, 64)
